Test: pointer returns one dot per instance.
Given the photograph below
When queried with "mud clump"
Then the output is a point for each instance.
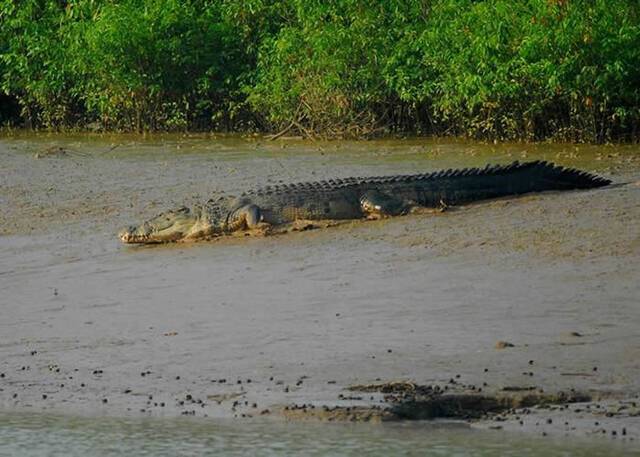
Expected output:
(504, 345)
(396, 387)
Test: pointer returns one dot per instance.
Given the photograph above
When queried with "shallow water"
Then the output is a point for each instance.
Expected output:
(306, 314)
(64, 436)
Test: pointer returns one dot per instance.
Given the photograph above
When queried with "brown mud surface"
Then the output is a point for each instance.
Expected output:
(514, 296)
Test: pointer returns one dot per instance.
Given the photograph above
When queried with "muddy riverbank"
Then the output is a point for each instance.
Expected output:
(243, 326)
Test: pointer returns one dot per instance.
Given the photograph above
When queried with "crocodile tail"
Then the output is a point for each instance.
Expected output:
(494, 181)
(569, 178)
(547, 176)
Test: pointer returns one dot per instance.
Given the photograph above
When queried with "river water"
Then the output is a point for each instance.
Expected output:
(117, 338)
(70, 437)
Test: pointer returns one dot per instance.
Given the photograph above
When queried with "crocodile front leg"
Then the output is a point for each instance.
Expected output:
(376, 205)
(246, 217)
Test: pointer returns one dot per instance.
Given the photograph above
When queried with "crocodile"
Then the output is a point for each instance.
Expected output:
(355, 198)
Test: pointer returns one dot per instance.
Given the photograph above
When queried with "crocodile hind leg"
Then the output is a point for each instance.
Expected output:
(376, 205)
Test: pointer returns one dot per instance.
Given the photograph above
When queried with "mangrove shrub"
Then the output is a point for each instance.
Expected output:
(489, 69)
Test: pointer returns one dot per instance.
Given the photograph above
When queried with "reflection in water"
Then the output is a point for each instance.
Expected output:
(37, 435)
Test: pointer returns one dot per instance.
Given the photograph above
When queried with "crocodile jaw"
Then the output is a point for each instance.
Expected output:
(171, 226)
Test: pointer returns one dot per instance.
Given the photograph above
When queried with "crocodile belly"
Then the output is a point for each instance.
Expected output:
(312, 210)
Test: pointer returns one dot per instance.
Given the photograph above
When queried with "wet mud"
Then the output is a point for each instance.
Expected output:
(531, 297)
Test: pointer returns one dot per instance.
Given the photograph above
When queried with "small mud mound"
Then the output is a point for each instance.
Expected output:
(474, 406)
(408, 401)
(416, 402)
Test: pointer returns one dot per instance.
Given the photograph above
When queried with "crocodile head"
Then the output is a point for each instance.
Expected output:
(177, 225)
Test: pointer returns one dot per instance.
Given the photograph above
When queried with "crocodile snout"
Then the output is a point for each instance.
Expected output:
(132, 234)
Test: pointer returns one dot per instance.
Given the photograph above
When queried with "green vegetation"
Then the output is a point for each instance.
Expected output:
(491, 69)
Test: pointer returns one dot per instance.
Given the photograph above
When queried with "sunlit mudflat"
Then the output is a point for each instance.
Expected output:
(89, 326)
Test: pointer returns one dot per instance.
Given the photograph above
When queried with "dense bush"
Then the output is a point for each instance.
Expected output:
(133, 64)
(503, 69)
(491, 69)
(158, 63)
(323, 71)
(36, 69)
